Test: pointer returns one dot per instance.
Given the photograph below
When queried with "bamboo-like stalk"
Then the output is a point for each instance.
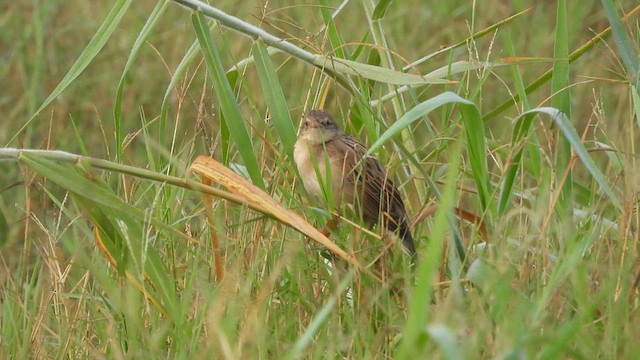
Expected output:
(246, 29)
(9, 154)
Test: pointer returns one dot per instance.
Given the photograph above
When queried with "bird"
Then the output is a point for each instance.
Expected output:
(355, 177)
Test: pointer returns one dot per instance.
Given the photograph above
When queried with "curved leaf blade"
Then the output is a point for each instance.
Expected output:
(474, 130)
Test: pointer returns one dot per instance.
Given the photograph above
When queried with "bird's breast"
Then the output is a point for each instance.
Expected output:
(311, 161)
(305, 160)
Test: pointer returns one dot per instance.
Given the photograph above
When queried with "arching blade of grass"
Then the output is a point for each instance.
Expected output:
(152, 20)
(521, 129)
(274, 96)
(569, 132)
(227, 101)
(476, 148)
(474, 130)
(91, 50)
(441, 73)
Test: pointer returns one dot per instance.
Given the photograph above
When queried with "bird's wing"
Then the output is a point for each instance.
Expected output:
(375, 191)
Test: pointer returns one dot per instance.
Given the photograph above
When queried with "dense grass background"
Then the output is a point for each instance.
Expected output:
(112, 254)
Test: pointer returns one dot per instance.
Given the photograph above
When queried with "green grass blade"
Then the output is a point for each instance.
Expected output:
(332, 32)
(561, 100)
(320, 317)
(68, 178)
(4, 230)
(629, 54)
(420, 302)
(120, 220)
(569, 132)
(91, 50)
(519, 134)
(178, 73)
(377, 73)
(152, 20)
(380, 9)
(227, 100)
(534, 159)
(274, 96)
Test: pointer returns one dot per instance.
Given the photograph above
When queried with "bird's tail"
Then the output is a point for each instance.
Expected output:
(407, 239)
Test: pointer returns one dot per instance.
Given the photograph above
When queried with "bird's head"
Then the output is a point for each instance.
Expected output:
(319, 127)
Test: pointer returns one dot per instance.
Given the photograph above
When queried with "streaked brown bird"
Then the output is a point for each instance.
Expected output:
(356, 178)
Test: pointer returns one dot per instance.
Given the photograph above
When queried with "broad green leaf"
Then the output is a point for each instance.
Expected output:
(376, 73)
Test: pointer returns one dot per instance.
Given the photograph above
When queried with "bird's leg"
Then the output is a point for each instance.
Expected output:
(331, 225)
